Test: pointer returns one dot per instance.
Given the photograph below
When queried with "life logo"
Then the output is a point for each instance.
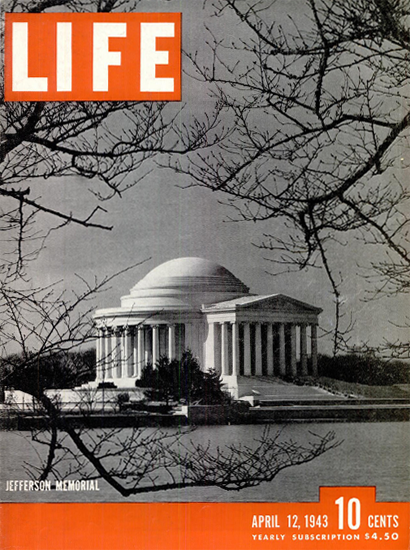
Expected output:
(93, 57)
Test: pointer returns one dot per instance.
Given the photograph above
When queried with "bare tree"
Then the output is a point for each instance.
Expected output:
(110, 144)
(138, 461)
(316, 109)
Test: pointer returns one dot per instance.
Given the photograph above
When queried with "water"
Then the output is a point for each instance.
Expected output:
(372, 454)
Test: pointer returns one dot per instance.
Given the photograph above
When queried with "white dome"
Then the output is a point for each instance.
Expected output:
(184, 283)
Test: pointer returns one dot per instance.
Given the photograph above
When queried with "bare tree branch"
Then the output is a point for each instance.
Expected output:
(318, 116)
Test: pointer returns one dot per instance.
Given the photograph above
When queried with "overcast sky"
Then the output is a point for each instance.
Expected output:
(158, 220)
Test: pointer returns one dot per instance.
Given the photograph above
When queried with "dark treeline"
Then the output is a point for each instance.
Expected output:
(58, 370)
(364, 368)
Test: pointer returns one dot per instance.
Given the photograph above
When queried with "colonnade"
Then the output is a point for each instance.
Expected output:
(262, 349)
(123, 351)
(231, 348)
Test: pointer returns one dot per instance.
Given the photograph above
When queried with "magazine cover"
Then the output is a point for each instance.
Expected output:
(205, 265)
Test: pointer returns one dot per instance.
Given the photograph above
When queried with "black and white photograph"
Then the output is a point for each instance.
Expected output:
(206, 299)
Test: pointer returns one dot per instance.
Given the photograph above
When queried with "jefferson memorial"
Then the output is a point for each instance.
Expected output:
(197, 304)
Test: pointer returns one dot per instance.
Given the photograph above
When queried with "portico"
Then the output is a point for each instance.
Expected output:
(191, 303)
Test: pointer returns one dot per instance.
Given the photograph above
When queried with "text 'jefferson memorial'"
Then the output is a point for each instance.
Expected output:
(196, 304)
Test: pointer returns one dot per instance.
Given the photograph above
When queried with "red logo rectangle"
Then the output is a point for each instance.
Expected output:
(93, 57)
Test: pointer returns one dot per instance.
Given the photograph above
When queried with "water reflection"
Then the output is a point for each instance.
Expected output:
(371, 454)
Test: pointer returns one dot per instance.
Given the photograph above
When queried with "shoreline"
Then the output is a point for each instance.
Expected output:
(348, 410)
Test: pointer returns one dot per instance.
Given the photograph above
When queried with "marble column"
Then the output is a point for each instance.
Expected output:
(269, 355)
(218, 348)
(171, 342)
(313, 339)
(129, 352)
(99, 343)
(107, 355)
(235, 349)
(303, 351)
(224, 349)
(210, 348)
(148, 344)
(282, 354)
(115, 353)
(213, 348)
(141, 350)
(247, 349)
(124, 353)
(292, 334)
(134, 364)
(155, 344)
(258, 349)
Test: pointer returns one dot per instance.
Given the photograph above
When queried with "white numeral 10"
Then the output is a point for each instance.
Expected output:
(353, 513)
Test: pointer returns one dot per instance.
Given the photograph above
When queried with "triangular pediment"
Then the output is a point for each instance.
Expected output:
(273, 302)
